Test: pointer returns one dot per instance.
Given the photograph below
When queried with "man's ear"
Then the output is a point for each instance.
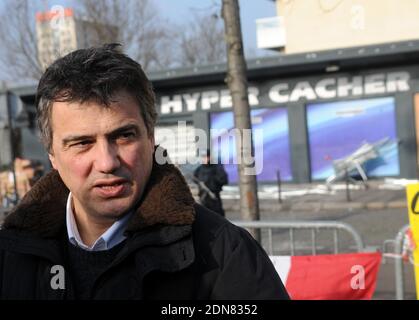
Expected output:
(52, 159)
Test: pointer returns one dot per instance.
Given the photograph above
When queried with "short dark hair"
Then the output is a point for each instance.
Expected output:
(93, 74)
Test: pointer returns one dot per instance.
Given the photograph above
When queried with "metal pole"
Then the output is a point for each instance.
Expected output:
(348, 196)
(398, 267)
(313, 241)
(335, 241)
(292, 241)
(271, 250)
(12, 145)
(278, 177)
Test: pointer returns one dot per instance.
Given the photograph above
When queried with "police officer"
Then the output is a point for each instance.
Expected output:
(211, 178)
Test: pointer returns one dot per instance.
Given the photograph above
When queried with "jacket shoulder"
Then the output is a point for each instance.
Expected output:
(210, 226)
(243, 269)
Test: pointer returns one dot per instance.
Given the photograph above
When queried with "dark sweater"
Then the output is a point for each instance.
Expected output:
(87, 266)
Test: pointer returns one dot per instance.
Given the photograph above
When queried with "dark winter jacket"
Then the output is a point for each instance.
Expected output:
(213, 175)
(175, 249)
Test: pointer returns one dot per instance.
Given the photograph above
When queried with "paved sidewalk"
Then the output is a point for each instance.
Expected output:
(377, 195)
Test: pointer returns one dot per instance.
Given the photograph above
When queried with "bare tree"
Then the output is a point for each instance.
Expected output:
(136, 24)
(202, 41)
(237, 83)
(101, 17)
(18, 52)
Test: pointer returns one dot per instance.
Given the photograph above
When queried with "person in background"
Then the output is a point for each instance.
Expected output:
(24, 173)
(35, 171)
(211, 178)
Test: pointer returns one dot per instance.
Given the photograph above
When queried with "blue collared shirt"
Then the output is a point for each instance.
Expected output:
(109, 239)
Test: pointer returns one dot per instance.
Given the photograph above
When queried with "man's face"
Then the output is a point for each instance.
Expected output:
(103, 155)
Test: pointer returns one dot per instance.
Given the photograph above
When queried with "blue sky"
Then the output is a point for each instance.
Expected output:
(250, 10)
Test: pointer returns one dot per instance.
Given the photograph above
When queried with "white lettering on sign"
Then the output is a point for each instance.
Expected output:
(209, 98)
(280, 93)
(253, 96)
(375, 84)
(322, 89)
(345, 86)
(191, 100)
(398, 81)
(275, 94)
(171, 105)
(302, 90)
(225, 100)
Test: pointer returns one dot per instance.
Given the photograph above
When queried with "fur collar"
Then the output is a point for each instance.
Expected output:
(167, 200)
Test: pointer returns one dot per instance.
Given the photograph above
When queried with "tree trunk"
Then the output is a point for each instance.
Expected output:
(237, 84)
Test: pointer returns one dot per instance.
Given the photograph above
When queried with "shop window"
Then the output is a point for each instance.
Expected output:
(272, 147)
(336, 130)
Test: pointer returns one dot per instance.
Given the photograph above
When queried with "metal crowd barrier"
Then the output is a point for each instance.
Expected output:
(398, 256)
(398, 260)
(298, 225)
(398, 264)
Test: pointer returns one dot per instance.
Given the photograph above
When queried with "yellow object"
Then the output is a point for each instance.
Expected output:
(412, 193)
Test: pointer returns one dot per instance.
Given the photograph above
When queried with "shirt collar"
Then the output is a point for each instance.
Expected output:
(109, 239)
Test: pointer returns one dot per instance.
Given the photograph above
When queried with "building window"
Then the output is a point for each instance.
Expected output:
(337, 130)
(272, 148)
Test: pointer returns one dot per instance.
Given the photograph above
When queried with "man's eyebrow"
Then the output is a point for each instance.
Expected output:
(66, 141)
(72, 138)
(123, 129)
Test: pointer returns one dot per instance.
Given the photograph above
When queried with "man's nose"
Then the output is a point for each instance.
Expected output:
(107, 158)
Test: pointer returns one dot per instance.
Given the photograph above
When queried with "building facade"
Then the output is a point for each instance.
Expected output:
(59, 32)
(55, 34)
(315, 25)
(311, 110)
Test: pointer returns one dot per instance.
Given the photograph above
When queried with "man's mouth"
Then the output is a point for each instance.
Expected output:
(111, 188)
(110, 182)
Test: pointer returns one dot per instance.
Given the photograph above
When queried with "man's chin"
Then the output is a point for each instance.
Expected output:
(114, 209)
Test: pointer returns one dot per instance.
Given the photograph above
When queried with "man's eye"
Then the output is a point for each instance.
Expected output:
(82, 143)
(127, 135)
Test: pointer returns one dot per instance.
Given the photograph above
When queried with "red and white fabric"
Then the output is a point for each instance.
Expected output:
(349, 276)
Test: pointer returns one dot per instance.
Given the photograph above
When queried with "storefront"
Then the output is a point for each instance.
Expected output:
(312, 109)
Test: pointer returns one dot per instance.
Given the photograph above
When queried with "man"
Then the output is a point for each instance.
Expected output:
(109, 222)
(211, 177)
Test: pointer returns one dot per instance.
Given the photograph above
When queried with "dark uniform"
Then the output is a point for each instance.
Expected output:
(214, 177)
